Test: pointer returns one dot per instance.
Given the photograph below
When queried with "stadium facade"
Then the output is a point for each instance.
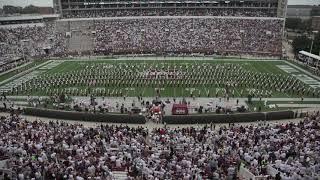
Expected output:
(269, 8)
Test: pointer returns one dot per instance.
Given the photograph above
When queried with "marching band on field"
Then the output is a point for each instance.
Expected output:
(112, 80)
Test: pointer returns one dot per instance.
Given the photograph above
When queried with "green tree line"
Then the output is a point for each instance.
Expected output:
(298, 24)
(304, 43)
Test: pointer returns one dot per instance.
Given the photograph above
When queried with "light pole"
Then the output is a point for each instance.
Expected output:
(313, 34)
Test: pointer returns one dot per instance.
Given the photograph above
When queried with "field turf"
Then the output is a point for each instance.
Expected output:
(199, 90)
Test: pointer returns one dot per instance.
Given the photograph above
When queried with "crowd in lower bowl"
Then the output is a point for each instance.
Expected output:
(30, 41)
(206, 35)
(57, 150)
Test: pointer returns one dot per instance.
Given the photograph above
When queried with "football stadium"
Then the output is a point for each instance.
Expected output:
(186, 90)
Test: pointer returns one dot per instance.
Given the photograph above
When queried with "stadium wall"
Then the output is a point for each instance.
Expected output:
(83, 116)
(173, 119)
(66, 7)
(228, 118)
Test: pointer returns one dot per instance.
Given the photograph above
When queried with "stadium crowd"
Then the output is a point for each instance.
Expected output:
(57, 150)
(31, 41)
(150, 35)
(206, 35)
(238, 12)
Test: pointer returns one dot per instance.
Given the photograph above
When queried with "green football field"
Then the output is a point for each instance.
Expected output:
(167, 78)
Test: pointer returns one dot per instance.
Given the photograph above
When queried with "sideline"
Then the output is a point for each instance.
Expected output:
(18, 67)
(303, 70)
(23, 73)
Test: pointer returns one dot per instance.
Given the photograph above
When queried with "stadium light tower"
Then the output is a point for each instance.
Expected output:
(313, 35)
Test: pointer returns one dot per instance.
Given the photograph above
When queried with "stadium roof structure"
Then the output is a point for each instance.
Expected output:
(310, 55)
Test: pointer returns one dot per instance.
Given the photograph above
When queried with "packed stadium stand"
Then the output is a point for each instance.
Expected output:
(56, 150)
(126, 27)
(192, 34)
(28, 36)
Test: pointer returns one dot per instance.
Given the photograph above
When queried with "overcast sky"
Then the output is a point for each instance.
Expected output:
(49, 2)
